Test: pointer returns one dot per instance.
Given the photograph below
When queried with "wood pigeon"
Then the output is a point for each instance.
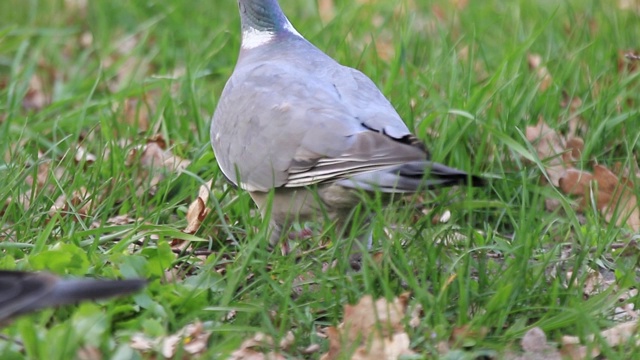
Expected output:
(318, 134)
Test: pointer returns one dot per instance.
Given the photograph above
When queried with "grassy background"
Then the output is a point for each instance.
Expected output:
(458, 76)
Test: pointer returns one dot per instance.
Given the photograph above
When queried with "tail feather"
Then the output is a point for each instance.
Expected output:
(411, 177)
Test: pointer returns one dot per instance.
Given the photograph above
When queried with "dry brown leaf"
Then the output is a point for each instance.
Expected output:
(388, 348)
(575, 182)
(535, 340)
(198, 209)
(24, 199)
(250, 348)
(35, 98)
(573, 150)
(373, 328)
(129, 66)
(385, 47)
(543, 75)
(122, 220)
(576, 352)
(137, 111)
(82, 154)
(76, 5)
(416, 316)
(89, 353)
(460, 4)
(594, 283)
(462, 333)
(156, 161)
(615, 198)
(617, 335)
(576, 122)
(613, 195)
(192, 338)
(633, 5)
(44, 173)
(549, 146)
(85, 39)
(80, 201)
(535, 347)
(326, 10)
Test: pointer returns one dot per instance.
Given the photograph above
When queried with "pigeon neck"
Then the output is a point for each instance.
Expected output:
(261, 21)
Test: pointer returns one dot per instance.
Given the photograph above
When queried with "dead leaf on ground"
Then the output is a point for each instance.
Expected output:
(156, 161)
(35, 98)
(549, 146)
(76, 5)
(613, 195)
(88, 352)
(632, 5)
(44, 173)
(542, 73)
(617, 335)
(80, 202)
(252, 348)
(373, 329)
(198, 209)
(576, 122)
(535, 347)
(129, 67)
(462, 335)
(137, 111)
(82, 154)
(191, 338)
(326, 10)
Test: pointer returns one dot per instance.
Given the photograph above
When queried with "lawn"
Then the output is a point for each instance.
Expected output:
(105, 109)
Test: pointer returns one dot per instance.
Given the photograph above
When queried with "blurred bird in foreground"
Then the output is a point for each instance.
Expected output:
(23, 292)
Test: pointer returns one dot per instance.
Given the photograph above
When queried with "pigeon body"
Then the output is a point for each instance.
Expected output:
(293, 120)
(22, 292)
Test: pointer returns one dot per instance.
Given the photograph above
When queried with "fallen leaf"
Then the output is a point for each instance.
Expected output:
(192, 339)
(617, 335)
(535, 347)
(575, 182)
(88, 353)
(251, 348)
(80, 201)
(594, 283)
(35, 98)
(549, 146)
(156, 161)
(371, 329)
(82, 154)
(543, 75)
(326, 10)
(613, 195)
(616, 199)
(633, 5)
(198, 209)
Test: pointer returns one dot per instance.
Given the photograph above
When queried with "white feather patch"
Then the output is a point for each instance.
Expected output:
(252, 38)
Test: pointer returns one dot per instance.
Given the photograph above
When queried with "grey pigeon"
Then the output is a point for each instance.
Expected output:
(293, 120)
(22, 292)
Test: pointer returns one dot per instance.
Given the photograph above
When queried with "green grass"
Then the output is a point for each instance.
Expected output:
(471, 110)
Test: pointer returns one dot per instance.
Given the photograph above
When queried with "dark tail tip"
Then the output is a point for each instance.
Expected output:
(476, 181)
